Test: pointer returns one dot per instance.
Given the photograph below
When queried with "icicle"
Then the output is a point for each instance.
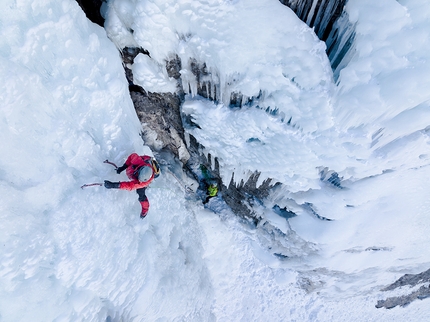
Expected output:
(193, 86)
(263, 177)
(311, 12)
(227, 175)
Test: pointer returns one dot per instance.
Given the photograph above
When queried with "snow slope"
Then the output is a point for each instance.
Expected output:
(65, 108)
(69, 254)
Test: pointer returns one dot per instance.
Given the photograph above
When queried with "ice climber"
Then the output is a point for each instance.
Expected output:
(211, 192)
(141, 170)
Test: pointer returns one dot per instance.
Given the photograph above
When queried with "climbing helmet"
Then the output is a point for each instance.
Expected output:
(145, 173)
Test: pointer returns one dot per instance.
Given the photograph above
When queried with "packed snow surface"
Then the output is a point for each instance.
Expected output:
(71, 254)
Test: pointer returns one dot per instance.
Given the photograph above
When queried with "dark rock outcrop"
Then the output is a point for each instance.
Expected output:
(92, 10)
(407, 280)
(159, 113)
(422, 293)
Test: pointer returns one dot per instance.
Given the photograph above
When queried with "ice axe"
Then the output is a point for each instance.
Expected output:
(91, 184)
(97, 183)
(111, 163)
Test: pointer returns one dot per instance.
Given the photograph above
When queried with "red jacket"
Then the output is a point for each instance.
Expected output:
(134, 162)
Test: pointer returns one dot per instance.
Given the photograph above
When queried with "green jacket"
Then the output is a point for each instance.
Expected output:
(212, 190)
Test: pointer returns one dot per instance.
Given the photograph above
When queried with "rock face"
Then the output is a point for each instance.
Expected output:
(422, 293)
(159, 113)
(161, 120)
(407, 280)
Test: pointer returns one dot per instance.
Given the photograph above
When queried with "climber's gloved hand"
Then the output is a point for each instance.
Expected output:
(111, 185)
(121, 169)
